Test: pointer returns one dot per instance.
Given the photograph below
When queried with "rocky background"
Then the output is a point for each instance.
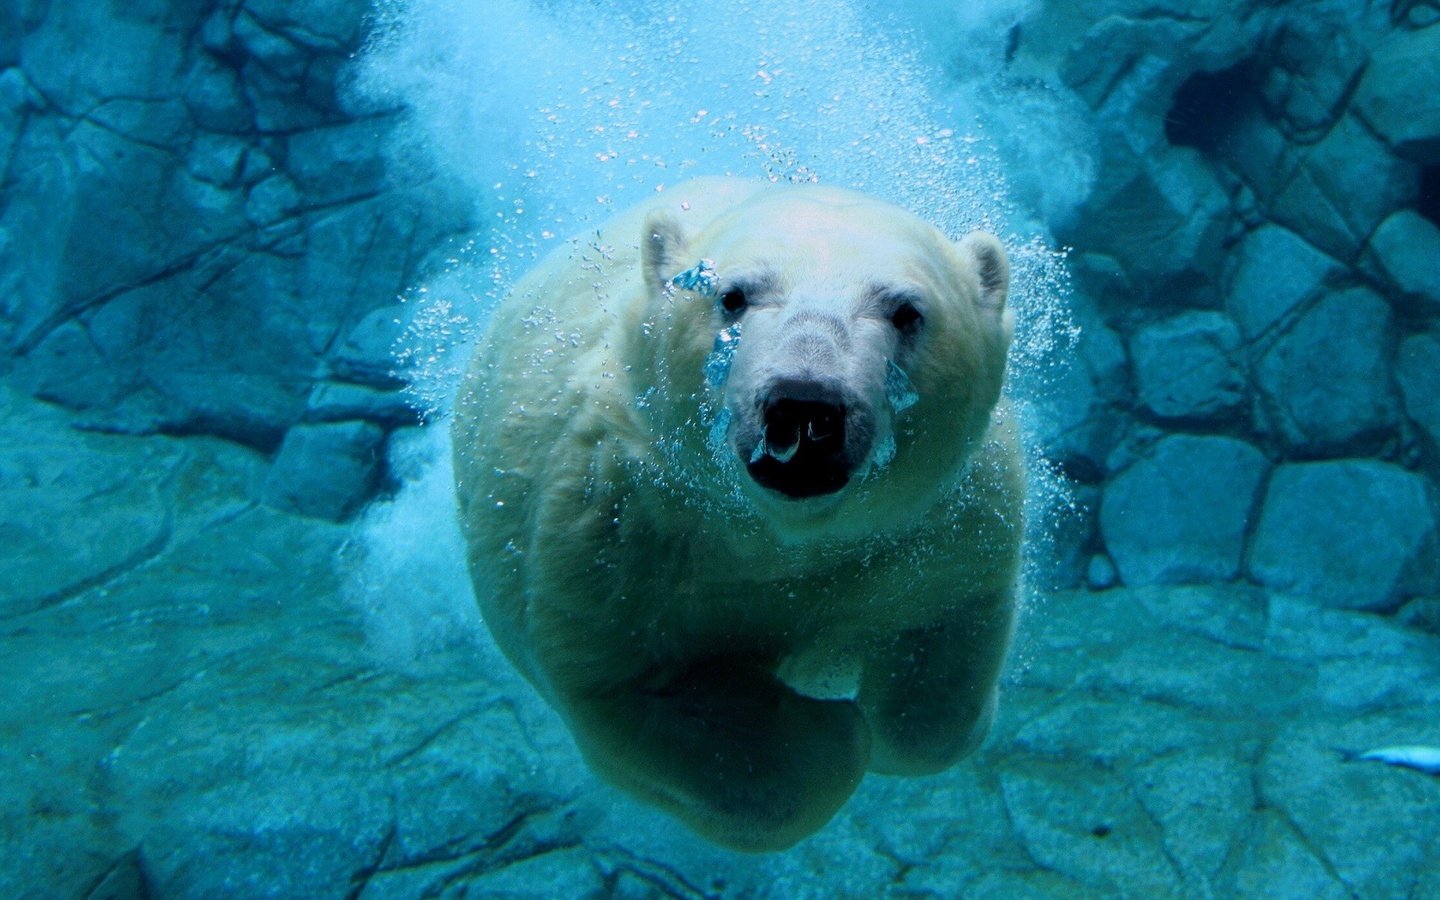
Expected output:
(1258, 285)
(200, 233)
(203, 240)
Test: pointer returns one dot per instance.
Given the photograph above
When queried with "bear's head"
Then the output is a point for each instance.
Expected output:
(847, 354)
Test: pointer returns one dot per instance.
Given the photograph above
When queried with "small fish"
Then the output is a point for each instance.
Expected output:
(1412, 756)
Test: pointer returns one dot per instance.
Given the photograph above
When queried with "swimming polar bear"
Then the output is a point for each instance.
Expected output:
(741, 499)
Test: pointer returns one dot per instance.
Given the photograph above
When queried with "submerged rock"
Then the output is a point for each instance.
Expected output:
(1406, 251)
(1187, 366)
(1417, 370)
(367, 355)
(192, 212)
(226, 722)
(1165, 224)
(1342, 188)
(1272, 273)
(1353, 534)
(1100, 573)
(325, 470)
(338, 401)
(1323, 381)
(1180, 514)
(1396, 98)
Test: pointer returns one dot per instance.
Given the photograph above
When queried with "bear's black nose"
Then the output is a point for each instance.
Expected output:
(802, 449)
(790, 424)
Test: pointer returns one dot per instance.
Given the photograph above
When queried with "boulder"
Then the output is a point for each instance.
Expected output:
(1353, 533)
(84, 57)
(1187, 366)
(338, 164)
(216, 159)
(1344, 186)
(235, 359)
(338, 401)
(1317, 58)
(213, 93)
(1180, 513)
(1396, 98)
(1323, 386)
(1417, 371)
(1422, 613)
(1405, 250)
(367, 355)
(1100, 573)
(1164, 217)
(68, 368)
(1273, 271)
(325, 470)
(360, 255)
(272, 200)
(335, 25)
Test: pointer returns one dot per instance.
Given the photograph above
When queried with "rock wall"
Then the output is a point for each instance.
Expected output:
(1258, 281)
(199, 227)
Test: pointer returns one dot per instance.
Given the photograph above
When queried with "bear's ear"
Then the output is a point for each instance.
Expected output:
(988, 260)
(986, 257)
(662, 249)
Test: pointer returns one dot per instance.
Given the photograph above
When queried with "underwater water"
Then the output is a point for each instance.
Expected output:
(246, 248)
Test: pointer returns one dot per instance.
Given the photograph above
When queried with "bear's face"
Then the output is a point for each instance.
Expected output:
(856, 345)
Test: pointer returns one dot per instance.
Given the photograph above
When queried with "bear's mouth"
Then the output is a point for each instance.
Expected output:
(801, 452)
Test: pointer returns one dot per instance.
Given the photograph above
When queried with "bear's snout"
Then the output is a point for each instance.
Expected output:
(802, 448)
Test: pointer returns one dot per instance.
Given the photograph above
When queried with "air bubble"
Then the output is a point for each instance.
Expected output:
(899, 389)
(722, 355)
(700, 278)
(884, 452)
(719, 432)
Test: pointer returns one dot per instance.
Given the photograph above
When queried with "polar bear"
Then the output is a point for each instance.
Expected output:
(741, 499)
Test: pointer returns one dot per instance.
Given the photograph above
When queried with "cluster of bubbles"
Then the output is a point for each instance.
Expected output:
(554, 114)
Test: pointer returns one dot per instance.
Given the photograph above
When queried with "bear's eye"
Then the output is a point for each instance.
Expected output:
(906, 318)
(733, 301)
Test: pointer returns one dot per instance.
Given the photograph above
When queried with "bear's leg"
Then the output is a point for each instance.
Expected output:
(729, 749)
(929, 695)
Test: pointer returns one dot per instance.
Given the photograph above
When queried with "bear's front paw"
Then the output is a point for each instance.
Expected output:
(732, 751)
(767, 788)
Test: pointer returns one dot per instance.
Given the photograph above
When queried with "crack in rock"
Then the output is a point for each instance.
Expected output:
(150, 551)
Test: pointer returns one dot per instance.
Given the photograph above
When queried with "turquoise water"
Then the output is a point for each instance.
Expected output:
(246, 248)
